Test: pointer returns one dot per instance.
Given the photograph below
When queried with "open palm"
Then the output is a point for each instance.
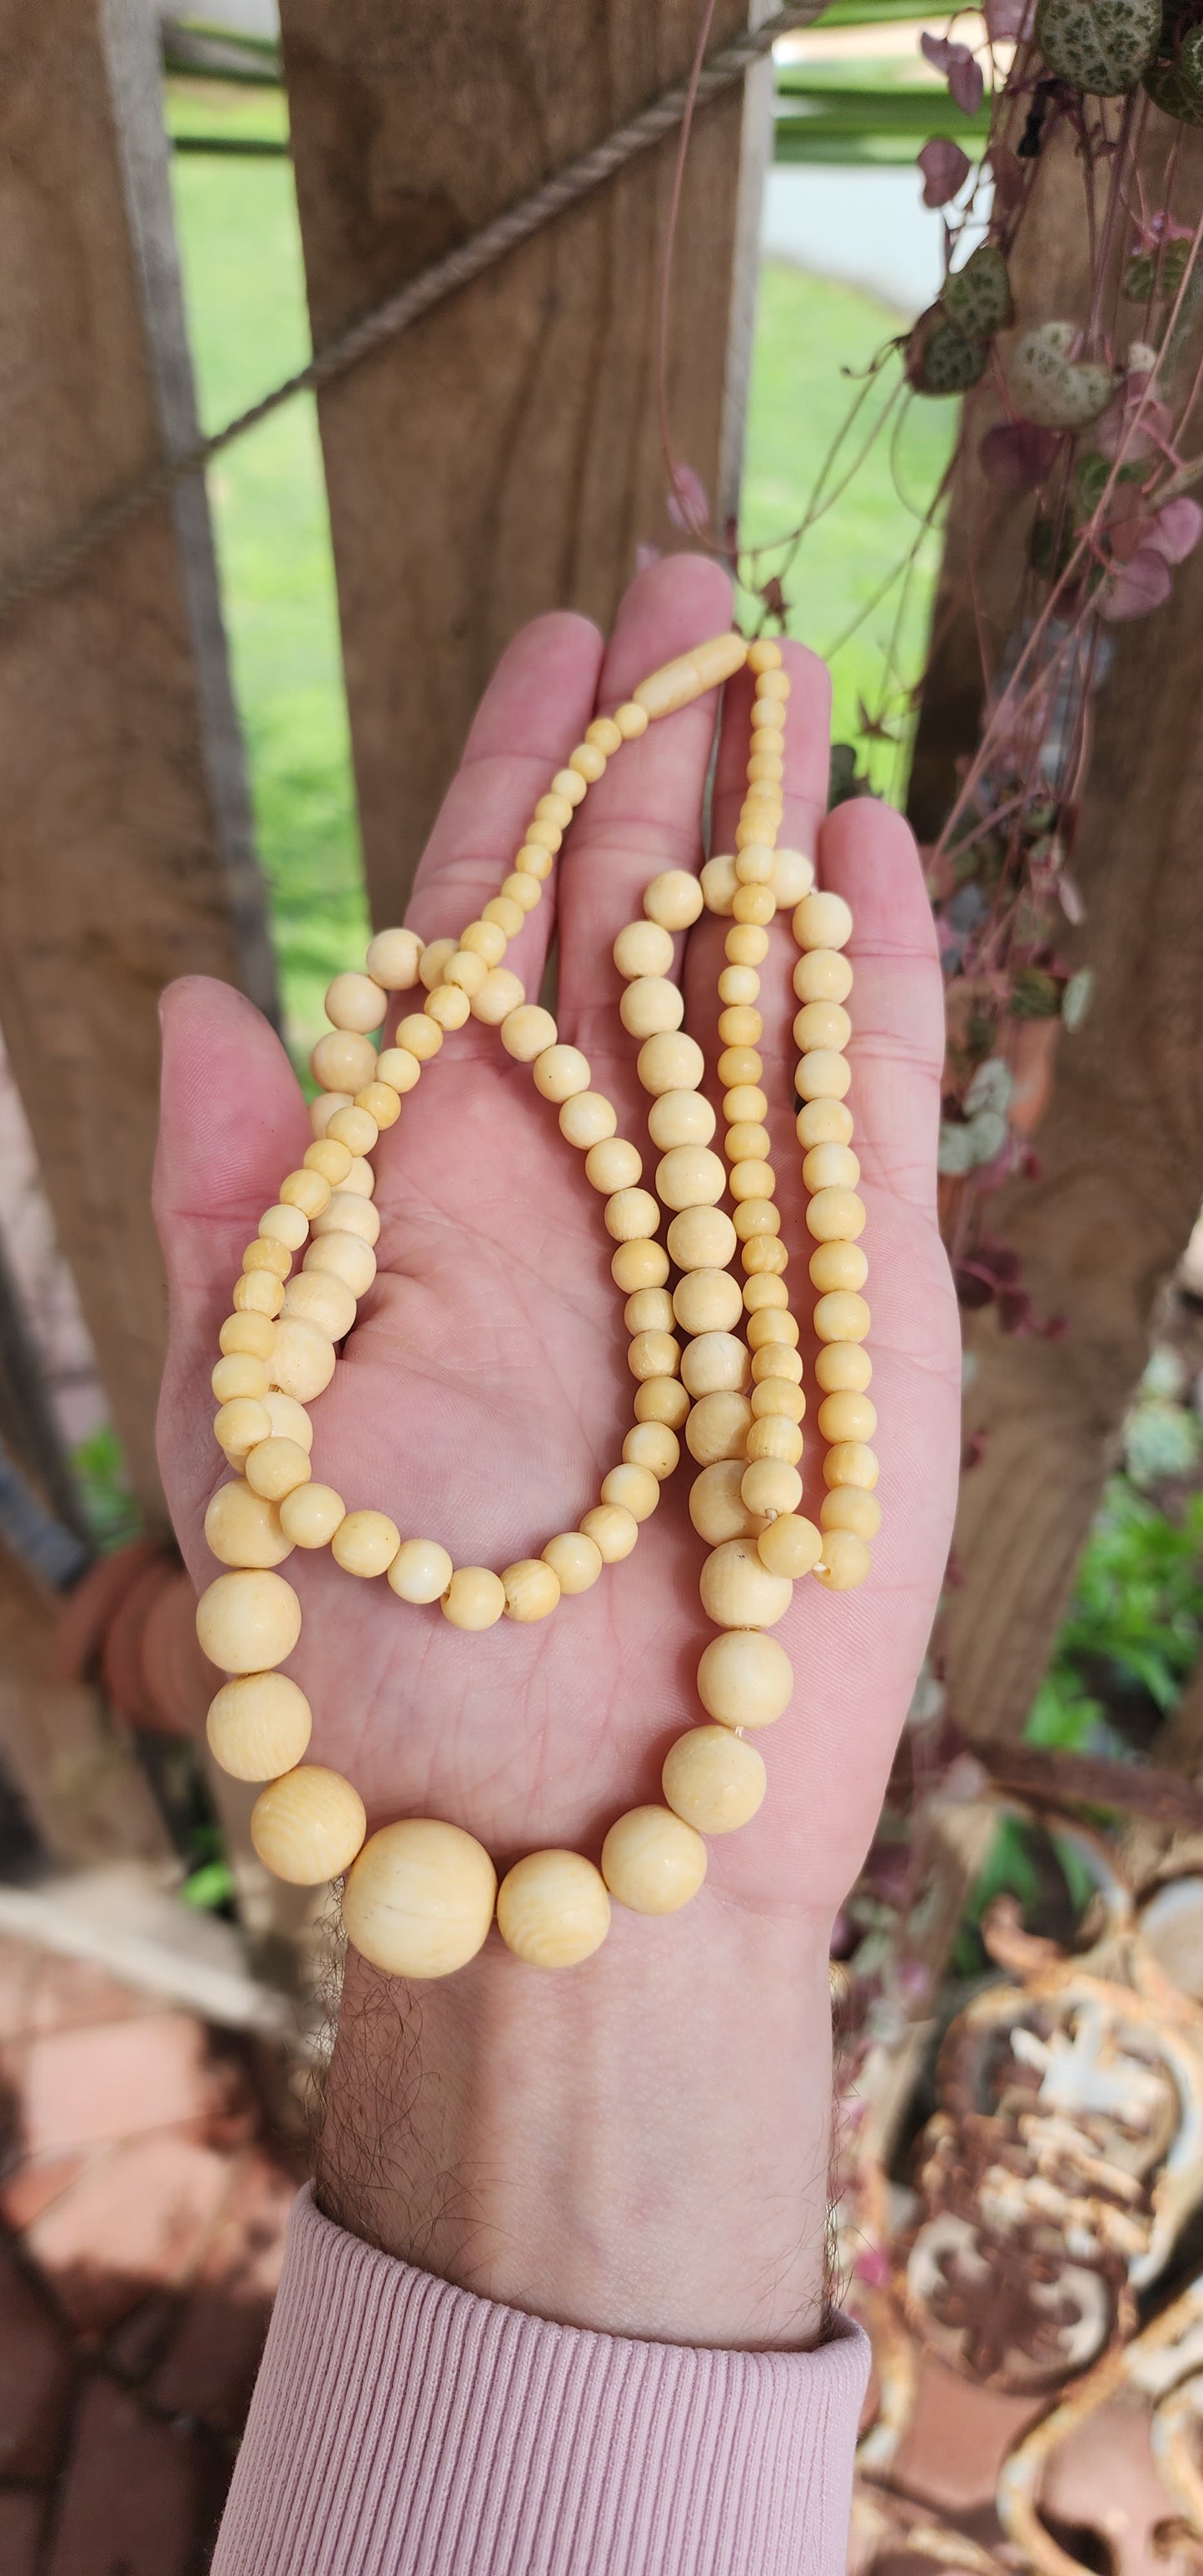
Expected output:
(484, 1392)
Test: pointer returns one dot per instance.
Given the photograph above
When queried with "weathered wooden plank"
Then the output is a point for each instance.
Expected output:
(504, 456)
(126, 859)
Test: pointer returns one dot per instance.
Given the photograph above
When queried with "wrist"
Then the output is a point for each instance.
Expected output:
(639, 2145)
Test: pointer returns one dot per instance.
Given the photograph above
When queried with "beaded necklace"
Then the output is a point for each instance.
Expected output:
(419, 1895)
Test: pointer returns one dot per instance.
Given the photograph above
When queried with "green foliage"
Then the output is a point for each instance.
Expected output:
(99, 1470)
(1137, 1611)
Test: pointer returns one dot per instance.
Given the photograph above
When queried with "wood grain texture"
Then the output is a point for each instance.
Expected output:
(114, 877)
(503, 457)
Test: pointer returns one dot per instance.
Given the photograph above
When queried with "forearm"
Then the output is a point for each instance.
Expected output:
(639, 2145)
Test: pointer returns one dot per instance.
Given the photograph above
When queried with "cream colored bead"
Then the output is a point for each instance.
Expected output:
(302, 1359)
(373, 1109)
(308, 1826)
(311, 1514)
(257, 1293)
(671, 1061)
(771, 1435)
(651, 1446)
(634, 1487)
(746, 1143)
(508, 915)
(345, 1257)
(588, 761)
(715, 1363)
(707, 1301)
(763, 1254)
(704, 667)
(822, 921)
(841, 1365)
(419, 1901)
(613, 1530)
(258, 1726)
(718, 1427)
(746, 1679)
(849, 1507)
(642, 949)
(753, 903)
(746, 1104)
(532, 1589)
(842, 1316)
(575, 1561)
(355, 1002)
(823, 1122)
(323, 1109)
(308, 1191)
(745, 944)
(433, 961)
(651, 1005)
(719, 882)
(652, 1861)
(487, 940)
(243, 1530)
(674, 899)
(764, 655)
(771, 1395)
(639, 1264)
(690, 1176)
(243, 1374)
(716, 1504)
(771, 1324)
(738, 1025)
(653, 1355)
(521, 888)
(822, 975)
(399, 1068)
(286, 1225)
(739, 1065)
(361, 1179)
(527, 1032)
(392, 959)
(556, 809)
(613, 1164)
(775, 1361)
(845, 1561)
(608, 736)
(737, 1591)
(793, 877)
(289, 1420)
(765, 1287)
(266, 1254)
(365, 1543)
(239, 1424)
(662, 1399)
(754, 852)
(254, 1334)
(822, 1024)
(831, 1167)
(587, 1118)
(501, 994)
(560, 1072)
(552, 1908)
(343, 1061)
(317, 1298)
(630, 1214)
(420, 1571)
(538, 850)
(680, 1118)
(851, 1462)
(846, 1416)
(752, 1180)
(248, 1621)
(467, 969)
(448, 1006)
(824, 1075)
(649, 1310)
(419, 1035)
(348, 1214)
(769, 1486)
(837, 1265)
(474, 1598)
(276, 1467)
(790, 1545)
(701, 1238)
(714, 1780)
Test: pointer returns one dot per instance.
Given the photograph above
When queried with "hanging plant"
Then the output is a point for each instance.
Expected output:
(1100, 46)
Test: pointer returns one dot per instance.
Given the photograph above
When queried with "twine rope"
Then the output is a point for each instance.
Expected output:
(55, 562)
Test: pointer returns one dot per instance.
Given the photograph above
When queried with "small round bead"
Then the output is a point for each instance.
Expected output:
(776, 1361)
(746, 1142)
(355, 1002)
(322, 1110)
(531, 1589)
(764, 655)
(552, 1907)
(823, 1122)
(653, 1355)
(740, 1026)
(763, 1253)
(330, 1159)
(719, 882)
(822, 1024)
(239, 1424)
(613, 1164)
(745, 1679)
(793, 877)
(289, 1225)
(714, 1363)
(845, 1416)
(842, 1365)
(718, 1427)
(851, 1462)
(771, 1324)
(508, 916)
(639, 1264)
(357, 1128)
(613, 1530)
(790, 1545)
(630, 1214)
(771, 1485)
(289, 1420)
(837, 1265)
(310, 1515)
(635, 1488)
(756, 1216)
(849, 1507)
(365, 1543)
(739, 985)
(739, 1065)
(649, 1445)
(651, 1006)
(343, 1256)
(608, 736)
(264, 1254)
(845, 1560)
(701, 1238)
(254, 1334)
(302, 1359)
(746, 944)
(767, 712)
(587, 1118)
(243, 1530)
(258, 1293)
(501, 993)
(674, 900)
(774, 1436)
(248, 1621)
(707, 1301)
(393, 958)
(420, 1571)
(822, 975)
(419, 1035)
(643, 948)
(716, 1504)
(560, 1072)
(745, 1105)
(240, 1374)
(543, 839)
(361, 1179)
(753, 1180)
(348, 1214)
(343, 1061)
(773, 682)
(258, 1726)
(521, 888)
(449, 1006)
(474, 1598)
(308, 1826)
(765, 1287)
(713, 1779)
(680, 1118)
(650, 1310)
(556, 809)
(671, 1061)
(631, 720)
(483, 939)
(652, 1861)
(399, 1069)
(822, 921)
(662, 1399)
(824, 1075)
(569, 784)
(318, 1298)
(276, 1467)
(754, 857)
(419, 1901)
(831, 1167)
(588, 761)
(433, 961)
(778, 1395)
(842, 1316)
(690, 1176)
(835, 1216)
(753, 903)
(575, 1561)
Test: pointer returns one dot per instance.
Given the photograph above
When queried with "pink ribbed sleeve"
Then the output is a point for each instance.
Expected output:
(402, 2427)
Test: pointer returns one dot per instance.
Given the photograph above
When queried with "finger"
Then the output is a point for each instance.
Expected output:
(867, 854)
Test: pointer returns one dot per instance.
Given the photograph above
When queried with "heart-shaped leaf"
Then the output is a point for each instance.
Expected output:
(940, 358)
(1052, 389)
(1018, 457)
(1177, 528)
(1144, 584)
(945, 169)
(978, 297)
(1102, 46)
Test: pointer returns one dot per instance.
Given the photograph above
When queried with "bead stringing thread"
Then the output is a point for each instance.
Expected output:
(420, 1895)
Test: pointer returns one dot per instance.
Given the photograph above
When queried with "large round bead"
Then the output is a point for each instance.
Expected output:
(242, 1529)
(258, 1726)
(738, 1590)
(248, 1621)
(714, 1779)
(308, 1826)
(552, 1909)
(419, 1900)
(652, 1861)
(745, 1679)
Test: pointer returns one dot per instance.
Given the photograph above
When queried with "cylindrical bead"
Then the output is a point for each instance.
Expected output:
(704, 667)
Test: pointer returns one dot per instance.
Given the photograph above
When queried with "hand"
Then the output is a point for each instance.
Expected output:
(484, 1393)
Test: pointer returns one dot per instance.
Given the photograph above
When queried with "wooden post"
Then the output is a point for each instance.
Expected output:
(503, 457)
(127, 852)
